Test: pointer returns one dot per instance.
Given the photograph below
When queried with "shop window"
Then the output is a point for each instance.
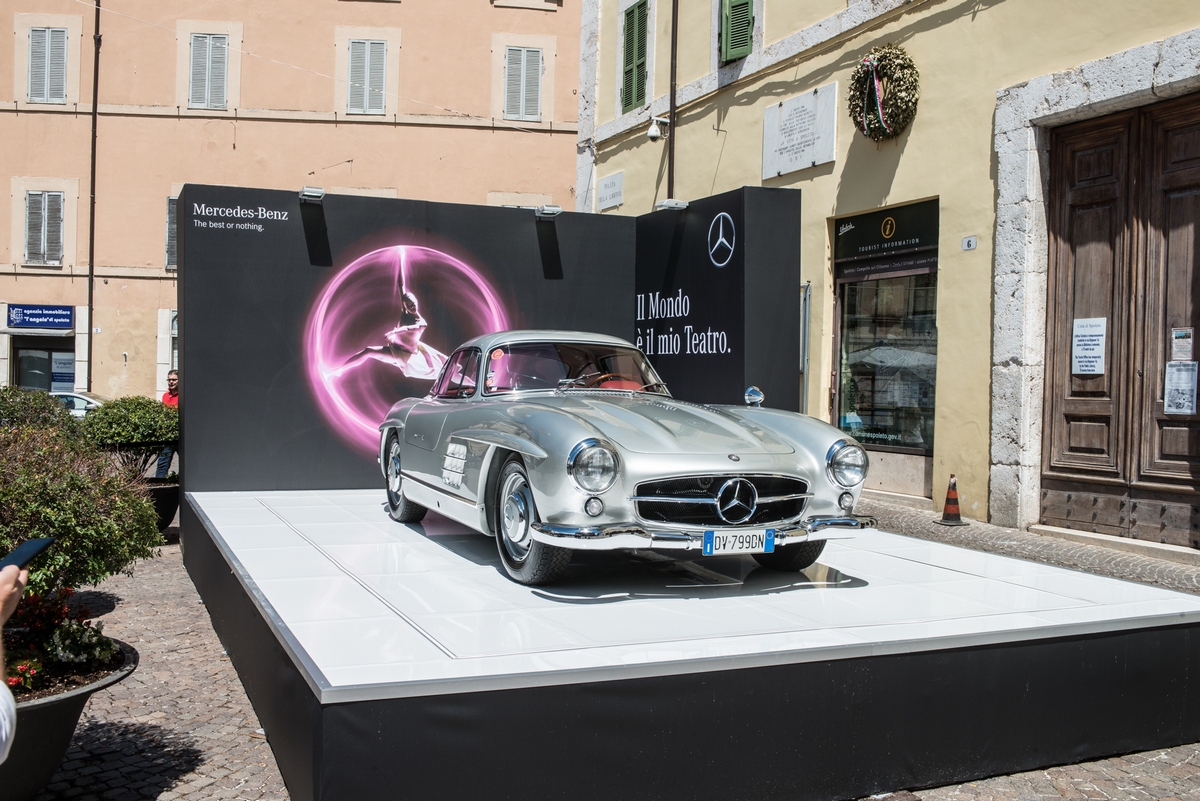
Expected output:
(47, 65)
(737, 29)
(209, 69)
(368, 71)
(633, 72)
(172, 235)
(523, 83)
(43, 228)
(889, 361)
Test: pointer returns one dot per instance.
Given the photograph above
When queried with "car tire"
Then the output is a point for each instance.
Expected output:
(791, 558)
(400, 509)
(526, 560)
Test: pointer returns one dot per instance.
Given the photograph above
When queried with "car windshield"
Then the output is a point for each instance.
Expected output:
(569, 365)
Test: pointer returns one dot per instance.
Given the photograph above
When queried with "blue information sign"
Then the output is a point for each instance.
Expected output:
(36, 316)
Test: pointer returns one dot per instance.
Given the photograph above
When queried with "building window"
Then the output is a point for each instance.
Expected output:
(174, 340)
(47, 65)
(43, 227)
(633, 73)
(368, 71)
(523, 83)
(737, 29)
(210, 66)
(172, 235)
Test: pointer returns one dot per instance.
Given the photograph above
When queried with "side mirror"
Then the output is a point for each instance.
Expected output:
(754, 396)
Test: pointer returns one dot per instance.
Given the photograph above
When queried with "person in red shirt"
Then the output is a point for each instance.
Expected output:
(170, 398)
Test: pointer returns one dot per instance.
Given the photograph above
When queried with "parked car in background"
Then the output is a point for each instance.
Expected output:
(80, 403)
(555, 441)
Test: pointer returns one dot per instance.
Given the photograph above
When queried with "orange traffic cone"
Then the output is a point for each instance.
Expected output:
(950, 514)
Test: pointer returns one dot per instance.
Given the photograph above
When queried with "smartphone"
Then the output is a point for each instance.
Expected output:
(24, 553)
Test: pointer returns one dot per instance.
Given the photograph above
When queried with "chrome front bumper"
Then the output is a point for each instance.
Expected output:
(637, 536)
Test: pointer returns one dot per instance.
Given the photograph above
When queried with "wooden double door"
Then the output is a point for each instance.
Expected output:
(1124, 224)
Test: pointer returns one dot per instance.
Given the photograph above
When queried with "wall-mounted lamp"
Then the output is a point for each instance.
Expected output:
(656, 132)
(672, 204)
(547, 212)
(312, 194)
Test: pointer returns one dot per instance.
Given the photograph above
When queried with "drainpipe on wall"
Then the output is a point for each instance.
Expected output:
(92, 205)
(671, 113)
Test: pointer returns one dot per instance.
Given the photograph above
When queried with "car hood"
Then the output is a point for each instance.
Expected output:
(658, 424)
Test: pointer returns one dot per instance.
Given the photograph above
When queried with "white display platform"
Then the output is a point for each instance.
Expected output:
(371, 609)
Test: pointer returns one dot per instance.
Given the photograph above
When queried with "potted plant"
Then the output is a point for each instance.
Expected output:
(135, 429)
(55, 482)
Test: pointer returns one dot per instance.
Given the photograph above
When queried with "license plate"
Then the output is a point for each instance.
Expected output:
(716, 543)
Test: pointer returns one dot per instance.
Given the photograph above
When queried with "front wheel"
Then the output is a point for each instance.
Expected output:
(400, 509)
(791, 558)
(526, 560)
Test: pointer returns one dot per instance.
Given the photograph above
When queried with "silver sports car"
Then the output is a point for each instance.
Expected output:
(553, 441)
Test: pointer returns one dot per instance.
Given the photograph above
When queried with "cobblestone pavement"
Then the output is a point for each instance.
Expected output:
(181, 726)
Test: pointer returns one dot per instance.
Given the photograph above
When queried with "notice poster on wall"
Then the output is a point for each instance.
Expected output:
(1179, 392)
(1181, 344)
(1087, 346)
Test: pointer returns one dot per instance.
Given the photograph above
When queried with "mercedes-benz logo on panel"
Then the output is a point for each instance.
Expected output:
(737, 500)
(721, 238)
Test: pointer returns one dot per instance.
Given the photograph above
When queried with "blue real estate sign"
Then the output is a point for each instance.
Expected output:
(37, 316)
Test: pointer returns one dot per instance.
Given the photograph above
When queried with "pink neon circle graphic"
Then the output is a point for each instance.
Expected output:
(381, 329)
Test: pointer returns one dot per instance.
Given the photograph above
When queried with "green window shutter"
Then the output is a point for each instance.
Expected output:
(54, 227)
(633, 73)
(737, 29)
(47, 65)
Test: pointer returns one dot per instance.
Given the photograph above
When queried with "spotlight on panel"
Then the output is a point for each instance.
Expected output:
(547, 212)
(312, 194)
(672, 204)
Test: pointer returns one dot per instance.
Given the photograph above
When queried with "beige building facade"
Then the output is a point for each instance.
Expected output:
(946, 368)
(469, 101)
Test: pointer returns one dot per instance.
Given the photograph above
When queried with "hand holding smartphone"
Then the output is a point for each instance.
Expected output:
(24, 553)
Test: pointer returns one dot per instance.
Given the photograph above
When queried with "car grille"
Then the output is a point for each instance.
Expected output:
(692, 500)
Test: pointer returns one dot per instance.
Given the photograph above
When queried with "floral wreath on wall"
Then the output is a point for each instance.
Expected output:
(884, 90)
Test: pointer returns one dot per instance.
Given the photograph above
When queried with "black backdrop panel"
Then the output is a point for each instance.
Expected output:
(689, 302)
(292, 315)
(254, 271)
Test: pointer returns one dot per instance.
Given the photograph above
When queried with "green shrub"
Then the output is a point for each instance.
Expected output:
(55, 485)
(134, 429)
(32, 408)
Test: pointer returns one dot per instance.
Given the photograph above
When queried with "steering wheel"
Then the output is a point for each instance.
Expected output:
(600, 379)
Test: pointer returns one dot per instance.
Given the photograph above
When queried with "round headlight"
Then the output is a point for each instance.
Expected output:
(592, 465)
(847, 463)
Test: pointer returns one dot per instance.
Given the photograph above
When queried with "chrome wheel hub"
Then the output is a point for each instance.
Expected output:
(516, 517)
(393, 469)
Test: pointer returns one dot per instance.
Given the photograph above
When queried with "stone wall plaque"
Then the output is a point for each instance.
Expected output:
(800, 132)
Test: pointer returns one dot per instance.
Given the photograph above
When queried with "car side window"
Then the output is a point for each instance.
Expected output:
(458, 381)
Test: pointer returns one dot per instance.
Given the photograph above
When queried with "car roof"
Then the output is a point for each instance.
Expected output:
(488, 341)
(58, 393)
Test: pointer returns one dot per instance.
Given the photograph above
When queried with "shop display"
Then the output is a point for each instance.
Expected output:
(556, 441)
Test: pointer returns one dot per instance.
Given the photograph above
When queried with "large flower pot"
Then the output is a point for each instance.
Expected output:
(166, 501)
(44, 729)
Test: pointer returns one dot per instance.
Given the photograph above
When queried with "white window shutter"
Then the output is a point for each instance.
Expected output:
(56, 68)
(218, 59)
(357, 91)
(38, 49)
(513, 68)
(172, 234)
(377, 77)
(35, 249)
(532, 107)
(54, 227)
(198, 94)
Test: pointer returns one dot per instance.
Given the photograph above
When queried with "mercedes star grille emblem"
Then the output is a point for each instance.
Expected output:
(737, 500)
(721, 238)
